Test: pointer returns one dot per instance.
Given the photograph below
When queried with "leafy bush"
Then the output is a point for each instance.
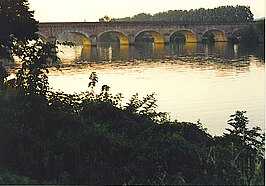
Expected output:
(91, 138)
(15, 179)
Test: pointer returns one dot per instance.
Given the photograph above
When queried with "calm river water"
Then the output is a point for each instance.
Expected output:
(191, 81)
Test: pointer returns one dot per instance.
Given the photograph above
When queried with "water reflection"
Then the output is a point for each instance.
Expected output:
(236, 46)
(229, 59)
(189, 91)
(223, 56)
(191, 80)
(108, 52)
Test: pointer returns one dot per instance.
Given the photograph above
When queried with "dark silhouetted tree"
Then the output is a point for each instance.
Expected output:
(16, 21)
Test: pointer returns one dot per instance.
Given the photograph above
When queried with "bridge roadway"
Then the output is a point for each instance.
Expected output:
(127, 32)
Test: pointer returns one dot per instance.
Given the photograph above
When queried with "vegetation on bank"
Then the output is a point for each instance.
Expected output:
(249, 34)
(50, 137)
(17, 21)
(220, 14)
(252, 33)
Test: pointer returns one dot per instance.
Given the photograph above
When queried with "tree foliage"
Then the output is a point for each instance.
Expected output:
(32, 76)
(105, 19)
(16, 22)
(91, 138)
(219, 14)
(252, 33)
(50, 137)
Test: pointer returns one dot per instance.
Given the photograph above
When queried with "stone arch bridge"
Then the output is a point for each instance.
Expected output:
(90, 32)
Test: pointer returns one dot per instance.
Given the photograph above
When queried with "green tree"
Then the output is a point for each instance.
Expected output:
(105, 19)
(3, 75)
(219, 14)
(142, 17)
(239, 128)
(31, 78)
(16, 22)
(247, 148)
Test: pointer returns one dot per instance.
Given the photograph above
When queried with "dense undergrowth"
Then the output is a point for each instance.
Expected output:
(50, 137)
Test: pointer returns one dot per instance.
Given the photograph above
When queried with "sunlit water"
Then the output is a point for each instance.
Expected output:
(191, 81)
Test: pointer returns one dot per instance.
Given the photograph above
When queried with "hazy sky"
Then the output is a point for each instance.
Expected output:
(92, 10)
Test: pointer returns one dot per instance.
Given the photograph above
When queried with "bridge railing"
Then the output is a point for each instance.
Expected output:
(140, 23)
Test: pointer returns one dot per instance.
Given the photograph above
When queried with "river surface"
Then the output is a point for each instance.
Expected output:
(191, 81)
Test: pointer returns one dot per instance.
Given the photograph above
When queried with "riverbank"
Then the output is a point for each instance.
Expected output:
(91, 138)
(52, 137)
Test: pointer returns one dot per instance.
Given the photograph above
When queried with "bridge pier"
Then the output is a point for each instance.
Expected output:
(167, 39)
(199, 37)
(128, 31)
(131, 40)
(93, 40)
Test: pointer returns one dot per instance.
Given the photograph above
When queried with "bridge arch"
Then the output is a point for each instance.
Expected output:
(123, 39)
(158, 38)
(189, 35)
(218, 35)
(236, 36)
(83, 36)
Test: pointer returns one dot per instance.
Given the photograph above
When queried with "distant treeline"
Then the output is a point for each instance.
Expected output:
(220, 14)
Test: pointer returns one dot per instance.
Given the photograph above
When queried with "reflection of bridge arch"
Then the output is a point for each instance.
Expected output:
(236, 36)
(190, 36)
(86, 53)
(123, 40)
(84, 37)
(191, 47)
(158, 38)
(219, 35)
